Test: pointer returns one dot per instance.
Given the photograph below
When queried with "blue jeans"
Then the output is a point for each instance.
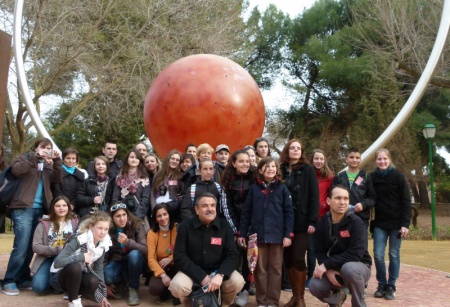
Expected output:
(25, 222)
(41, 280)
(380, 237)
(133, 263)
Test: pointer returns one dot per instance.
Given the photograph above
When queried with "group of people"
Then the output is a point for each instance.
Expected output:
(186, 221)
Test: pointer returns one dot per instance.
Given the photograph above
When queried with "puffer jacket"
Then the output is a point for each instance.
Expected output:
(84, 200)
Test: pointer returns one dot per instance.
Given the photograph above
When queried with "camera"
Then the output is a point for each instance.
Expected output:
(162, 190)
(399, 235)
(205, 288)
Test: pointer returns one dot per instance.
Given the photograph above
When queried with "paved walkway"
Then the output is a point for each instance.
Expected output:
(416, 287)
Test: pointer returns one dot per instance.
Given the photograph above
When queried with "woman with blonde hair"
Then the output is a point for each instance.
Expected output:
(78, 268)
(392, 219)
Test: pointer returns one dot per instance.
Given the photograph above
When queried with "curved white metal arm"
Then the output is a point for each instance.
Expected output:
(418, 91)
(17, 44)
(387, 135)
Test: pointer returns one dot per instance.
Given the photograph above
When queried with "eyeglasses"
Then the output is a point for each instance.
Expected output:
(117, 207)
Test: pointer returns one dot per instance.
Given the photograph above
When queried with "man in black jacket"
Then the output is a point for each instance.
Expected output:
(206, 254)
(109, 150)
(341, 248)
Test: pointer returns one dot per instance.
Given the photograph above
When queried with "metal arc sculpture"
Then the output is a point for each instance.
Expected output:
(384, 138)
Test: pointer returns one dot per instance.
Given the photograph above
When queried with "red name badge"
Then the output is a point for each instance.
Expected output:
(216, 241)
(344, 234)
(359, 180)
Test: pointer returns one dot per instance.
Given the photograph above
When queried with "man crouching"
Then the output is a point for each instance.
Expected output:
(341, 248)
(204, 247)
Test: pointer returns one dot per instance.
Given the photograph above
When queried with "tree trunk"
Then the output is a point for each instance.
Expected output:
(423, 191)
(415, 191)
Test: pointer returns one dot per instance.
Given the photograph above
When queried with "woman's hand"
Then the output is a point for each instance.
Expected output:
(242, 242)
(403, 232)
(105, 303)
(123, 239)
(165, 262)
(166, 280)
(98, 200)
(287, 242)
(311, 230)
(87, 258)
(110, 291)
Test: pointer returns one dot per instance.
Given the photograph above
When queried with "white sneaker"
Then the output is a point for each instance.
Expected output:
(75, 303)
(242, 299)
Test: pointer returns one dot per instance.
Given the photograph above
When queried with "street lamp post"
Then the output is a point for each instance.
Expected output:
(428, 132)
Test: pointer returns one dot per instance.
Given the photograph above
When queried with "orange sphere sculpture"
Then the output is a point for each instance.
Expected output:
(203, 98)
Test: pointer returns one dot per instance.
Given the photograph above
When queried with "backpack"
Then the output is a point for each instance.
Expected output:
(10, 187)
(194, 186)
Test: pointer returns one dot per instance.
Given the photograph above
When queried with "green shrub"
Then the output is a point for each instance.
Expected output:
(443, 191)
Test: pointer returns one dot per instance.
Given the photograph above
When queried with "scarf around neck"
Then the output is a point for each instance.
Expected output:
(384, 173)
(70, 170)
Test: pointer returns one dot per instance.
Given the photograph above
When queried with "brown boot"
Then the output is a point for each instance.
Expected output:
(300, 281)
(293, 302)
(297, 280)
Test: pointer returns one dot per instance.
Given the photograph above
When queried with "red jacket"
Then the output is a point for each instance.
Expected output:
(324, 187)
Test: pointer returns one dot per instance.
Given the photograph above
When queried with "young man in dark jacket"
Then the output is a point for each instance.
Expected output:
(359, 183)
(341, 248)
(206, 254)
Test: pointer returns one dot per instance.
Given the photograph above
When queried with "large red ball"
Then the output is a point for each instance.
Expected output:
(203, 98)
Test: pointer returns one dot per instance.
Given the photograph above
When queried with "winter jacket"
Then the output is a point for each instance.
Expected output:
(26, 167)
(175, 188)
(84, 200)
(361, 191)
(74, 251)
(137, 242)
(268, 211)
(197, 189)
(140, 200)
(304, 189)
(324, 188)
(393, 204)
(236, 194)
(347, 242)
(69, 185)
(41, 246)
(187, 206)
(201, 250)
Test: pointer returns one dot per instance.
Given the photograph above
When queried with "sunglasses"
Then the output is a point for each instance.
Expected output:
(249, 147)
(262, 139)
(117, 207)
